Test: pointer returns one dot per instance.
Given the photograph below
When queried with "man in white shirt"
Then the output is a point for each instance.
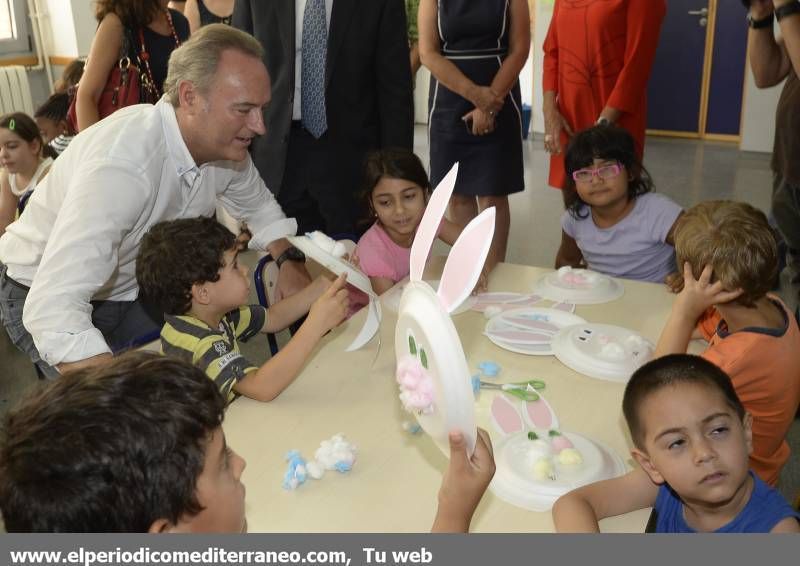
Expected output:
(75, 246)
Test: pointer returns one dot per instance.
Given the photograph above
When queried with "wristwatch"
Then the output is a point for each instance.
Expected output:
(603, 121)
(763, 23)
(291, 254)
(787, 10)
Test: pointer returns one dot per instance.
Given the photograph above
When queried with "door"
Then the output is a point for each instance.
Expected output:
(674, 93)
(697, 84)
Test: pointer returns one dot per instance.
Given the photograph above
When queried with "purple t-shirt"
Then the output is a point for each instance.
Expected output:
(635, 247)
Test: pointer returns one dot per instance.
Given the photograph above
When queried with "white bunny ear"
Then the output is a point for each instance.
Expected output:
(464, 264)
(429, 226)
(539, 414)
(505, 417)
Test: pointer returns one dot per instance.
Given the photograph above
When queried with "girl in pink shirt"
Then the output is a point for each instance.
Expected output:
(396, 192)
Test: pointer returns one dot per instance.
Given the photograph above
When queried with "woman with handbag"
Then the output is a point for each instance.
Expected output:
(132, 46)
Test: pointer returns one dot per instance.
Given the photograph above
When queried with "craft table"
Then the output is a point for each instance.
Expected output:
(394, 483)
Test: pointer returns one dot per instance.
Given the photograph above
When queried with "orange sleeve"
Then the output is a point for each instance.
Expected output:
(550, 64)
(708, 322)
(643, 27)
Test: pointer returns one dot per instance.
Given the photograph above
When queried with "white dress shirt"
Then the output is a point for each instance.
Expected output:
(299, 10)
(80, 233)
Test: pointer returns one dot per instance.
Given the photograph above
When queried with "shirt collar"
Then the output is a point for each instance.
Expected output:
(184, 163)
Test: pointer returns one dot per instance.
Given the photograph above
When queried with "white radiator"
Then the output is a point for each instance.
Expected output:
(15, 92)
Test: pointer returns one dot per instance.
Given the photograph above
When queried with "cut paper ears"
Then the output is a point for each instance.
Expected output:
(512, 416)
(465, 261)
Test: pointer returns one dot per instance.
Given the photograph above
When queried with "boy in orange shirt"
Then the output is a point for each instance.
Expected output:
(729, 259)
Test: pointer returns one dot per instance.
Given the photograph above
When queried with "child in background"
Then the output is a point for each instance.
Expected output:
(397, 190)
(691, 438)
(729, 259)
(25, 160)
(614, 224)
(137, 445)
(189, 268)
(70, 76)
(51, 117)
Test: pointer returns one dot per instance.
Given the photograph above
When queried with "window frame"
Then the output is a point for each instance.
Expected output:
(20, 45)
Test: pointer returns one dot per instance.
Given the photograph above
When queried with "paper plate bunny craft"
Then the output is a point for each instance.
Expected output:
(536, 461)
(330, 254)
(432, 372)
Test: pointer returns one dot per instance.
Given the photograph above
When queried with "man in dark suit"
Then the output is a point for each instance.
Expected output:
(313, 152)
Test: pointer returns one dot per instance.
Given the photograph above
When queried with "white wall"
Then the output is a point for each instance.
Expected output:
(543, 13)
(58, 31)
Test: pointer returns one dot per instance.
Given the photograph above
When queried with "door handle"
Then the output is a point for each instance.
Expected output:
(701, 12)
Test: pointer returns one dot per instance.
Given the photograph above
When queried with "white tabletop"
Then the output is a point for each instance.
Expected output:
(393, 485)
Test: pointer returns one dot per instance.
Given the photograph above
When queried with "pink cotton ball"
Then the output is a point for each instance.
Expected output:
(561, 442)
(425, 386)
(408, 380)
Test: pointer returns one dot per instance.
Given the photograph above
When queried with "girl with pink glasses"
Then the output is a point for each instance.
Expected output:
(613, 222)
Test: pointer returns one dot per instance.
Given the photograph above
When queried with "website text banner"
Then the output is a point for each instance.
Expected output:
(397, 550)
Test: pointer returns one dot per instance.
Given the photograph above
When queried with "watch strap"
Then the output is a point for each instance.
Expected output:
(290, 254)
(766, 22)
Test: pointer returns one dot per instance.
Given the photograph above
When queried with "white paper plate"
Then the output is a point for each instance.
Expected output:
(391, 298)
(515, 483)
(602, 351)
(579, 286)
(332, 263)
(509, 330)
(454, 406)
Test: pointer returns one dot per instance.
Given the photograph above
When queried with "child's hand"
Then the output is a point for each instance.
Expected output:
(354, 261)
(331, 308)
(483, 282)
(464, 482)
(700, 294)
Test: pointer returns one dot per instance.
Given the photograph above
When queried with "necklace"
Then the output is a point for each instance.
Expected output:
(144, 56)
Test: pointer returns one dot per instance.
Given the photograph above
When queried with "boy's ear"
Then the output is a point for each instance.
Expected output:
(647, 465)
(200, 294)
(747, 424)
(160, 526)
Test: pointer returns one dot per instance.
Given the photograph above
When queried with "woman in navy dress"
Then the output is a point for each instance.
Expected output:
(475, 51)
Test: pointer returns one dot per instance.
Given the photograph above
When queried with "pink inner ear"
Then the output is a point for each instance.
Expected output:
(505, 416)
(429, 226)
(539, 413)
(464, 264)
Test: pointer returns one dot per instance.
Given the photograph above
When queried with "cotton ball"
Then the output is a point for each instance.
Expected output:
(338, 249)
(537, 450)
(543, 469)
(563, 271)
(315, 470)
(613, 351)
(491, 311)
(322, 241)
(570, 457)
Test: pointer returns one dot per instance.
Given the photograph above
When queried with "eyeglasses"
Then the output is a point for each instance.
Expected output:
(604, 172)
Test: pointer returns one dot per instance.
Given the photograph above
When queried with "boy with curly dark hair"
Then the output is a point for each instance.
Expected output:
(189, 267)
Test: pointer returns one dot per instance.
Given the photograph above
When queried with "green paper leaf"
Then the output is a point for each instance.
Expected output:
(412, 345)
(423, 357)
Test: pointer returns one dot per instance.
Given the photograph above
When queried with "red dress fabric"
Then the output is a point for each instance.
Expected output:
(599, 53)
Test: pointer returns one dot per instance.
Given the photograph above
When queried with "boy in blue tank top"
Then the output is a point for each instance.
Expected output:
(692, 438)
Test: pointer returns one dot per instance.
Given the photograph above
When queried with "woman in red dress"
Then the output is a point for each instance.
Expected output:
(597, 59)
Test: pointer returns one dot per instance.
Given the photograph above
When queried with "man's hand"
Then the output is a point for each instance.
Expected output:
(464, 483)
(292, 277)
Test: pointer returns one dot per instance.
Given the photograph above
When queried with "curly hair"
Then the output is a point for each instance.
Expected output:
(610, 143)
(133, 13)
(669, 371)
(111, 448)
(176, 254)
(736, 240)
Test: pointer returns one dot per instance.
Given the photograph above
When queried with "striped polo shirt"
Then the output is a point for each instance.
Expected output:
(214, 350)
